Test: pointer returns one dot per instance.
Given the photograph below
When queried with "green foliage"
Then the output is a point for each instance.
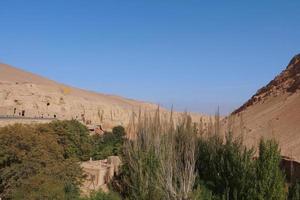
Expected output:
(73, 137)
(159, 162)
(119, 132)
(230, 172)
(40, 187)
(41, 161)
(294, 191)
(32, 165)
(108, 144)
(140, 176)
(202, 193)
(102, 196)
(269, 177)
(226, 168)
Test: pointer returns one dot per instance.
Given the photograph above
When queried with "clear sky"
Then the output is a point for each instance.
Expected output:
(193, 54)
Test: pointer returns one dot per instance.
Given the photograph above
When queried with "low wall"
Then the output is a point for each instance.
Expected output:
(99, 173)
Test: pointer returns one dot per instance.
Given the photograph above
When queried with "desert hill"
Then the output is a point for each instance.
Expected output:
(273, 112)
(23, 94)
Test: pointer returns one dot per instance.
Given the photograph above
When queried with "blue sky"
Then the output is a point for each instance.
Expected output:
(196, 55)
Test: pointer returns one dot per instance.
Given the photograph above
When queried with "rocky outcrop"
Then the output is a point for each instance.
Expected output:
(272, 113)
(287, 81)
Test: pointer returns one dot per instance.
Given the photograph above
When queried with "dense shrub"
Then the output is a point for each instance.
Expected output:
(33, 166)
(294, 191)
(108, 144)
(202, 193)
(162, 161)
(226, 168)
(42, 161)
(102, 196)
(73, 137)
(159, 163)
(230, 172)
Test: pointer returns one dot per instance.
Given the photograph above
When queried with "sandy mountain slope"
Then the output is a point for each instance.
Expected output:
(24, 93)
(273, 112)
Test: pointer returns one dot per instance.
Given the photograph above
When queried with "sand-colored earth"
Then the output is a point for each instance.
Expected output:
(24, 93)
(273, 112)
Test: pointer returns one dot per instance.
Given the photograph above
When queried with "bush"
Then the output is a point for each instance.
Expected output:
(42, 161)
(33, 166)
(226, 168)
(230, 172)
(162, 161)
(202, 193)
(159, 163)
(108, 144)
(102, 196)
(294, 191)
(73, 137)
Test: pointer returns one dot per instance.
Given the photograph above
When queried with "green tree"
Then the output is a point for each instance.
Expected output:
(40, 186)
(108, 144)
(226, 168)
(269, 178)
(72, 136)
(32, 165)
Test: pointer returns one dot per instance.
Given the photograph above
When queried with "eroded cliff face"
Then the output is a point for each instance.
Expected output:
(40, 101)
(288, 81)
(27, 95)
(272, 113)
